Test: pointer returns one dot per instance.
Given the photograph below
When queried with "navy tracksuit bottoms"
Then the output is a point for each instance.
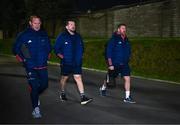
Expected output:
(38, 82)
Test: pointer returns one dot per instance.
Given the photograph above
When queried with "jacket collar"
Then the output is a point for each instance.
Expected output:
(120, 35)
(66, 31)
(32, 30)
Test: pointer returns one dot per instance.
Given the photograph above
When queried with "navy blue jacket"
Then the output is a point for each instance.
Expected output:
(33, 47)
(118, 50)
(70, 47)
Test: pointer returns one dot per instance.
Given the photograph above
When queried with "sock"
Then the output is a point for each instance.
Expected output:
(103, 87)
(127, 94)
(62, 92)
(82, 94)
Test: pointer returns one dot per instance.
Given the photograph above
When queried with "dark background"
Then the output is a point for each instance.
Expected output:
(83, 5)
(14, 13)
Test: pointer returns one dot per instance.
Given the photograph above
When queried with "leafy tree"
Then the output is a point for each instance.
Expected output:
(14, 13)
(12, 16)
(50, 10)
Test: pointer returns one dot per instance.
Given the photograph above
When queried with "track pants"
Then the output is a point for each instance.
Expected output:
(38, 82)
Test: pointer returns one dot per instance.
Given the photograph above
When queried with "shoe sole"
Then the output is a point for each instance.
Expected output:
(36, 117)
(101, 94)
(129, 102)
(85, 102)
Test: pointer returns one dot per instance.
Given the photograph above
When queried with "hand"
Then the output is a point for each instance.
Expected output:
(111, 67)
(19, 59)
(49, 56)
(60, 56)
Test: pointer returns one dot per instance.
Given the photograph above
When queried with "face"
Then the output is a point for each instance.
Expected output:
(35, 24)
(71, 26)
(122, 30)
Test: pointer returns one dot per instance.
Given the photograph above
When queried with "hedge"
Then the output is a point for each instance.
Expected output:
(151, 57)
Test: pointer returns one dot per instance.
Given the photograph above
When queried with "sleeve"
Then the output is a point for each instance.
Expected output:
(109, 51)
(58, 47)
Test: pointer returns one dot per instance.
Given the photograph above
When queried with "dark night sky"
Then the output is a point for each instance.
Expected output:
(84, 5)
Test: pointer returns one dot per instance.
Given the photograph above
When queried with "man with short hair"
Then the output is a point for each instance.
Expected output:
(69, 48)
(32, 48)
(118, 52)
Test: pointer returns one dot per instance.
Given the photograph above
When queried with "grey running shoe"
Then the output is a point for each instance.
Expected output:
(36, 113)
(102, 92)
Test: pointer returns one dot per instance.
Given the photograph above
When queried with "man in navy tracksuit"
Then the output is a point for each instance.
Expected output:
(69, 48)
(118, 52)
(32, 48)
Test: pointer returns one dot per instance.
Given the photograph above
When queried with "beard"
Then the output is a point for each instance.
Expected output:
(72, 31)
(123, 33)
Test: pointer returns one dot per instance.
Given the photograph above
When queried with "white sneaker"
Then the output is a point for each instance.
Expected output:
(36, 113)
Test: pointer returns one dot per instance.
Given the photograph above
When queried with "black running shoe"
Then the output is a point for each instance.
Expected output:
(85, 100)
(63, 97)
(129, 100)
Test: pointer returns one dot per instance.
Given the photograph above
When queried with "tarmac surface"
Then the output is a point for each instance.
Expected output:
(157, 102)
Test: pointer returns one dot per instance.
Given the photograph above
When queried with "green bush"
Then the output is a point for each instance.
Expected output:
(94, 55)
(6, 46)
(151, 57)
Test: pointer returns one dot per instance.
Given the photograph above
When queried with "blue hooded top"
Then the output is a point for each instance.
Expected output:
(118, 50)
(70, 47)
(33, 47)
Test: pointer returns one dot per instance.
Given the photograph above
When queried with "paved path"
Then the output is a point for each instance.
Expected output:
(157, 102)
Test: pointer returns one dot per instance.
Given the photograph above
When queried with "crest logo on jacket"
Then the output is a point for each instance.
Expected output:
(66, 43)
(119, 42)
(43, 40)
(29, 41)
(29, 73)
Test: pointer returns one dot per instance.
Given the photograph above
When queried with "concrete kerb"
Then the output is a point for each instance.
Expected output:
(139, 77)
